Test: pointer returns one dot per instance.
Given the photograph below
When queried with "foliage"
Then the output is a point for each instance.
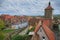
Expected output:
(4, 32)
(1, 35)
(9, 30)
(2, 24)
(30, 30)
(21, 37)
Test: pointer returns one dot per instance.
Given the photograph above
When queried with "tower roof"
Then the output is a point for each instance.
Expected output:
(49, 7)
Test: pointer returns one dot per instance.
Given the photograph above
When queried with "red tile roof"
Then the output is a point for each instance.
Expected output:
(48, 32)
(37, 28)
(49, 7)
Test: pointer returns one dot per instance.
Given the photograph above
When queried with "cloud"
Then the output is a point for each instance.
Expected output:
(56, 5)
(27, 7)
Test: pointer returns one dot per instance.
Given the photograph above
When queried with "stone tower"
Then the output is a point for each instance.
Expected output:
(48, 12)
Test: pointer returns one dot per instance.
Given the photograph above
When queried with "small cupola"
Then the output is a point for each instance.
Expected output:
(49, 7)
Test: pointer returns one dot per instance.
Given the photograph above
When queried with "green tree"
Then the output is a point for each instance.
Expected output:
(2, 24)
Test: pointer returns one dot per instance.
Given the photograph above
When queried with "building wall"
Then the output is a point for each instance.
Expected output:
(42, 34)
(48, 14)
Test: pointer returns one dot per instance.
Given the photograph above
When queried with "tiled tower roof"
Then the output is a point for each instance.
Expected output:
(49, 7)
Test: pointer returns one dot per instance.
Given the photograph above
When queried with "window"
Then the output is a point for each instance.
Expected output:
(43, 38)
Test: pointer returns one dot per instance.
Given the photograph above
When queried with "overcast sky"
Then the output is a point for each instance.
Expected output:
(27, 7)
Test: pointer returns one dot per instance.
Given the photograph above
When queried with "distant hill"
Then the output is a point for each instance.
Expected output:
(57, 16)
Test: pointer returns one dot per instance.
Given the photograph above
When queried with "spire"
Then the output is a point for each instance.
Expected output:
(49, 6)
(49, 3)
